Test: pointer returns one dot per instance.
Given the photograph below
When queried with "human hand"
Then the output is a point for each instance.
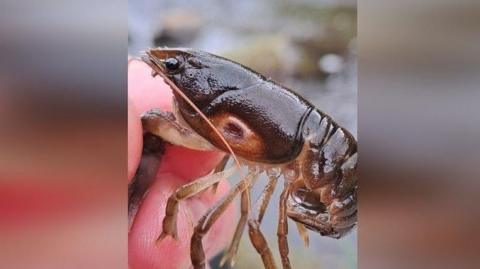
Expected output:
(178, 166)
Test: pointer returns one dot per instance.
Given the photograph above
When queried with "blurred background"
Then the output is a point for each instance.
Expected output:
(419, 125)
(63, 125)
(308, 46)
(63, 138)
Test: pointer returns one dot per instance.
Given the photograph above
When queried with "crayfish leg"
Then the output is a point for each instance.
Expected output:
(197, 253)
(169, 223)
(256, 236)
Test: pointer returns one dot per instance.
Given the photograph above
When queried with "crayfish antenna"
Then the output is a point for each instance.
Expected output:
(207, 121)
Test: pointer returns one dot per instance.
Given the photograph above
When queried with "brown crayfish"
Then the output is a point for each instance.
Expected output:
(222, 105)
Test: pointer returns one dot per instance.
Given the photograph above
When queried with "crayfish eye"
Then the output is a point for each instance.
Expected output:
(172, 64)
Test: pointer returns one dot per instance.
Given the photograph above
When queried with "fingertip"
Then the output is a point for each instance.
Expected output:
(147, 92)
